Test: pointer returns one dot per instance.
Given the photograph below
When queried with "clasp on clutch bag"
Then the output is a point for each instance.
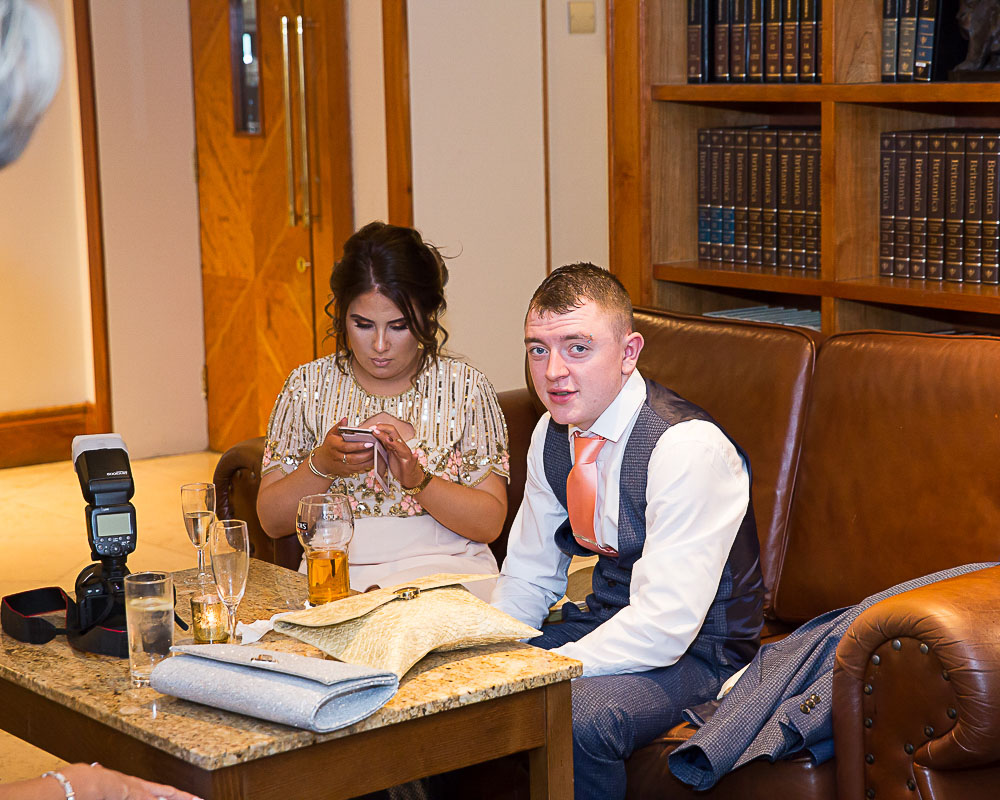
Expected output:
(407, 592)
(264, 657)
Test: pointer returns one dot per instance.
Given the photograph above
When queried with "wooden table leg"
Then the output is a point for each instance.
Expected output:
(551, 765)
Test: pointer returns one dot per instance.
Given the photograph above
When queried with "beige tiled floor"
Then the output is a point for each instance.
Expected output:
(41, 511)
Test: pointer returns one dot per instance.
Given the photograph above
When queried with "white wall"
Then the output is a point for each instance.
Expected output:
(145, 113)
(367, 90)
(578, 138)
(45, 340)
(478, 167)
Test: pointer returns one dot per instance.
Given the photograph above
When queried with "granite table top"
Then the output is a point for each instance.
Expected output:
(99, 687)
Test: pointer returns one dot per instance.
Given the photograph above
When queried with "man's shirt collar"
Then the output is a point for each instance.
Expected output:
(615, 419)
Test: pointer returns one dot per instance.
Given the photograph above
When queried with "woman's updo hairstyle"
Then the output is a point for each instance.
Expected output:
(398, 264)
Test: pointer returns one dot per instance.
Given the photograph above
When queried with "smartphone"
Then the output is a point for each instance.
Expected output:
(365, 435)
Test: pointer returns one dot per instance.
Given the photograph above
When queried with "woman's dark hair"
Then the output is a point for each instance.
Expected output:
(398, 264)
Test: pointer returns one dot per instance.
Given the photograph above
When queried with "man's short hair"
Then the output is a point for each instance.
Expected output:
(568, 287)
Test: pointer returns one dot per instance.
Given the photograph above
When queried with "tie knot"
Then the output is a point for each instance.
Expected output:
(586, 448)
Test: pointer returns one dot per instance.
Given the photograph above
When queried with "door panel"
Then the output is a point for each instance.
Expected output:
(258, 279)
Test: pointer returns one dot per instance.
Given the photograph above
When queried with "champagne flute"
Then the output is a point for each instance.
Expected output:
(198, 504)
(229, 547)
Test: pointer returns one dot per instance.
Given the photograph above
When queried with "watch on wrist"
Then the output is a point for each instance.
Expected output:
(420, 486)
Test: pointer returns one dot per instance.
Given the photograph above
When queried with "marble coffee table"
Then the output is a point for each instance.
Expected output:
(452, 710)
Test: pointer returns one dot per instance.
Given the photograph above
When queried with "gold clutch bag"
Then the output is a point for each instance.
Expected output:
(393, 628)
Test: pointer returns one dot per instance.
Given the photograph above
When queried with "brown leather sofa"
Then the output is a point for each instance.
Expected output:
(875, 457)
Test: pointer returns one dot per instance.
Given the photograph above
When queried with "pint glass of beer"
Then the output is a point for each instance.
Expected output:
(325, 525)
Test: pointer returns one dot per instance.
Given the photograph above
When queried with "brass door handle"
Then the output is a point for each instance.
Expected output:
(301, 264)
(306, 176)
(289, 161)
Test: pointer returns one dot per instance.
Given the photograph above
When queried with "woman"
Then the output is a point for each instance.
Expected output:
(437, 418)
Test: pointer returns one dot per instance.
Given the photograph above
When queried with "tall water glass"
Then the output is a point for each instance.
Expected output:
(325, 526)
(198, 505)
(149, 617)
(229, 548)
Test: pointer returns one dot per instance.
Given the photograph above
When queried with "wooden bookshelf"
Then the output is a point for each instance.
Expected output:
(654, 118)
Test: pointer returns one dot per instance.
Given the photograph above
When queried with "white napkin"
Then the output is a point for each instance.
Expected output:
(250, 632)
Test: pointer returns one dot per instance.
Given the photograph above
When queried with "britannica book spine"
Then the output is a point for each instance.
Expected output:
(728, 195)
(972, 246)
(807, 42)
(887, 204)
(738, 41)
(790, 41)
(755, 41)
(936, 188)
(918, 206)
(755, 188)
(819, 40)
(741, 225)
(928, 14)
(772, 41)
(907, 39)
(798, 256)
(698, 29)
(890, 32)
(715, 192)
(785, 198)
(720, 31)
(812, 217)
(991, 207)
(769, 200)
(901, 238)
(954, 205)
(704, 204)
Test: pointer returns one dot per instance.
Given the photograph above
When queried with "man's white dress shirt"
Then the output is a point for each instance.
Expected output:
(697, 494)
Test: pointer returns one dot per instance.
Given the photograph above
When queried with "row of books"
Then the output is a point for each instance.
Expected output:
(759, 196)
(938, 205)
(802, 317)
(754, 41)
(921, 40)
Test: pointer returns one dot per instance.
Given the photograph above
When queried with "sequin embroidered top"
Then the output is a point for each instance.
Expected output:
(460, 432)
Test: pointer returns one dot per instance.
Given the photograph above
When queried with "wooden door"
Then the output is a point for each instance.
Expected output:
(272, 202)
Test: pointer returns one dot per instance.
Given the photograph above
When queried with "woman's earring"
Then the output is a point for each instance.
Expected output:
(420, 345)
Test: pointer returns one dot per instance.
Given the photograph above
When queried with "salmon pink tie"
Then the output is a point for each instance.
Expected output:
(581, 492)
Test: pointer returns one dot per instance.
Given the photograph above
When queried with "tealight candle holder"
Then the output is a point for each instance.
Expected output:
(209, 619)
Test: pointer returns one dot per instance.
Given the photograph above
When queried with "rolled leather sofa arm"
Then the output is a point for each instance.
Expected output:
(916, 689)
(237, 481)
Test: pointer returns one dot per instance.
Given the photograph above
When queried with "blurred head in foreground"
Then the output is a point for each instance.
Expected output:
(30, 68)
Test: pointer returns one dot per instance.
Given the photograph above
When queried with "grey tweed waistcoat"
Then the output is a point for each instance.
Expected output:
(730, 634)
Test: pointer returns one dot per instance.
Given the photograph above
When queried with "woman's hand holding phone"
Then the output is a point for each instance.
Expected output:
(342, 457)
(403, 461)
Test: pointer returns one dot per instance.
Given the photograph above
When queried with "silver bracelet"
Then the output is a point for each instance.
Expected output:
(315, 471)
(66, 785)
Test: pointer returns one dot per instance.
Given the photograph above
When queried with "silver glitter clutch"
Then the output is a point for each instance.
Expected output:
(296, 690)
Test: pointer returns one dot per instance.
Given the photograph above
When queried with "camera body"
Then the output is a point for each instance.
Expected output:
(105, 475)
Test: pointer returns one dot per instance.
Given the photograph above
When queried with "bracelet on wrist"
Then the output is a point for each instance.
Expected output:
(67, 787)
(420, 486)
(315, 471)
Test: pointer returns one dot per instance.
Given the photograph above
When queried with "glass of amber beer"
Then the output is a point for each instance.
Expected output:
(325, 525)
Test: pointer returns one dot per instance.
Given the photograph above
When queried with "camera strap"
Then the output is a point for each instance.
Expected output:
(21, 617)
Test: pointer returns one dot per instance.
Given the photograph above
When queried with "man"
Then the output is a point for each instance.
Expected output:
(629, 470)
